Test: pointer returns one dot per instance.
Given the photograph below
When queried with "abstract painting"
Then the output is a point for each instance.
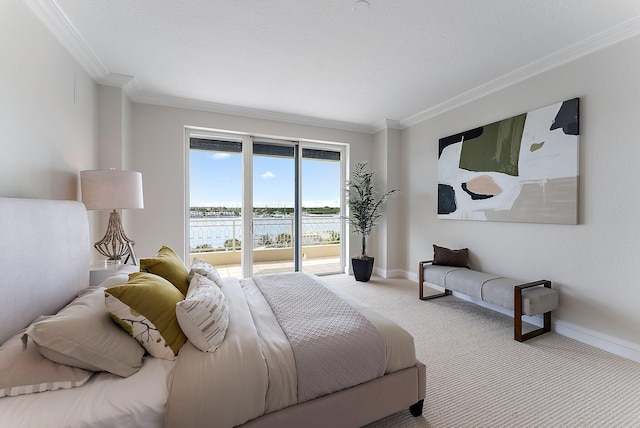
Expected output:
(521, 169)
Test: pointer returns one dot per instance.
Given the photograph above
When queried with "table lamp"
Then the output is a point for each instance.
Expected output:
(112, 190)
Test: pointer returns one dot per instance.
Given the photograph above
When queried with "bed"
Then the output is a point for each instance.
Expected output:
(246, 381)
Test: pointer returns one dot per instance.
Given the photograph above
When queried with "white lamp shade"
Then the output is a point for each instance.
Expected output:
(111, 189)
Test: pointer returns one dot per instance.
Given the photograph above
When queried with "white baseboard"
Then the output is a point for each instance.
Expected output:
(410, 276)
(391, 273)
(602, 341)
(599, 340)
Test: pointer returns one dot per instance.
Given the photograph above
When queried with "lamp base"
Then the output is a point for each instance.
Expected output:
(115, 244)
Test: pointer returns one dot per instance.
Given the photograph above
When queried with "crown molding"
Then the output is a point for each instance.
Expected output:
(384, 124)
(599, 41)
(168, 101)
(117, 80)
(64, 31)
(57, 22)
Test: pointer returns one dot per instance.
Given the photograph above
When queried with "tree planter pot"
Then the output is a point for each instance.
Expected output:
(362, 268)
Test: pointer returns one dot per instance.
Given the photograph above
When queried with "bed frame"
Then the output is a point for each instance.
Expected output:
(44, 260)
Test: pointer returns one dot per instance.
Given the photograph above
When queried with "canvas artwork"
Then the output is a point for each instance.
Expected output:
(521, 169)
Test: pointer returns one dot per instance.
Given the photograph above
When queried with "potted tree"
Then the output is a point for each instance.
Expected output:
(364, 212)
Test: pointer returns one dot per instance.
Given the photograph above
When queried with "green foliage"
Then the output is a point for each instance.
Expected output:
(283, 240)
(322, 210)
(265, 240)
(233, 244)
(332, 237)
(364, 203)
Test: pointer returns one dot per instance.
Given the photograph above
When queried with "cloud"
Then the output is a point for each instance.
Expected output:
(267, 175)
(218, 156)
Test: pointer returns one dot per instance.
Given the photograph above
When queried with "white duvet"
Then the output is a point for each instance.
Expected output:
(253, 371)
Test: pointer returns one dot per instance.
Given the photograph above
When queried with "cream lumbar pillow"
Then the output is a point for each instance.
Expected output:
(83, 335)
(204, 315)
(168, 265)
(23, 370)
(145, 308)
(204, 268)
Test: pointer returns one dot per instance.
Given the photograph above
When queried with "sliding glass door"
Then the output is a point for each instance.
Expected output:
(274, 207)
(320, 220)
(259, 206)
(214, 221)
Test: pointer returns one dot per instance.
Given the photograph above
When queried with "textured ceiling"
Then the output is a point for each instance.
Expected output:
(319, 60)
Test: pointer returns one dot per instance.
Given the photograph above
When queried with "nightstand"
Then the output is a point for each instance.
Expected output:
(100, 271)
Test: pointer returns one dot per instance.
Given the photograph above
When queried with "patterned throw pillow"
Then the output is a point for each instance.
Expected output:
(204, 268)
(204, 314)
(168, 265)
(145, 307)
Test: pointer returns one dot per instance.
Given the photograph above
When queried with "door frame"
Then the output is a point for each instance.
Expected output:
(247, 188)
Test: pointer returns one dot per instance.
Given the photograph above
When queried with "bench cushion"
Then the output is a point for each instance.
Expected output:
(467, 281)
(538, 300)
(435, 274)
(499, 291)
(491, 288)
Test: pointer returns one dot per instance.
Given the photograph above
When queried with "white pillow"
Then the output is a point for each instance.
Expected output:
(25, 370)
(203, 315)
(204, 268)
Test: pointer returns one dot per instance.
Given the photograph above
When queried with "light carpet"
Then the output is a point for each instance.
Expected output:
(478, 376)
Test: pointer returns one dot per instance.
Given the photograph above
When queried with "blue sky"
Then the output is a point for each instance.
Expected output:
(216, 180)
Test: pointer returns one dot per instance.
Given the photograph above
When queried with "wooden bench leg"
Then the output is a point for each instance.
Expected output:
(421, 284)
(517, 313)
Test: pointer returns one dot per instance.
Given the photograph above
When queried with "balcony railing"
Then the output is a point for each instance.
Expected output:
(219, 241)
(225, 234)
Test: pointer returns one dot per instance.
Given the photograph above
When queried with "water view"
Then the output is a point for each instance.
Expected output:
(223, 232)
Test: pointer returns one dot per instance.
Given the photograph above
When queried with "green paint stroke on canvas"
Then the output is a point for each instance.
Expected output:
(536, 146)
(497, 149)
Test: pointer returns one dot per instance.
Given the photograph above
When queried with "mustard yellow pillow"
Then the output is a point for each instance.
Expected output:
(168, 265)
(145, 307)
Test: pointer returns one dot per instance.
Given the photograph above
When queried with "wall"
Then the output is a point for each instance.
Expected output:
(158, 151)
(48, 126)
(387, 240)
(591, 264)
(114, 147)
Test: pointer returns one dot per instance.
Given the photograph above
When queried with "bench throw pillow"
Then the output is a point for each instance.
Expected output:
(145, 307)
(83, 335)
(168, 265)
(446, 257)
(203, 315)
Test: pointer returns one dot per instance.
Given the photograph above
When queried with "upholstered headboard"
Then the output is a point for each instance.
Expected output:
(44, 259)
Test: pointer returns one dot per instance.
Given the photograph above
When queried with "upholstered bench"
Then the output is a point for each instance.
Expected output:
(523, 298)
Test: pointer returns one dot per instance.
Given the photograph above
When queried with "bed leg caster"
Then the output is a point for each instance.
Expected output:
(416, 409)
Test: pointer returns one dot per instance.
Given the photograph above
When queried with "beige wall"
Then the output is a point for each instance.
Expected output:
(592, 264)
(387, 240)
(48, 104)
